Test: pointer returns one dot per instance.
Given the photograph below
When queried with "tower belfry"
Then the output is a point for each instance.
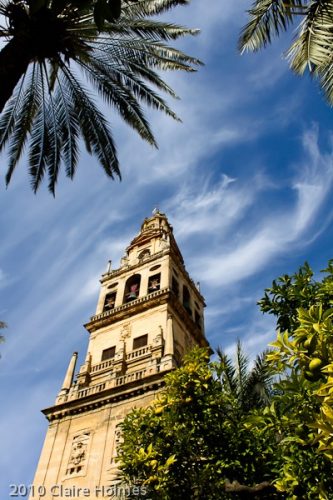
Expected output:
(149, 313)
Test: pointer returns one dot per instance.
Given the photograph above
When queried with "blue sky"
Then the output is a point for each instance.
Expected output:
(246, 182)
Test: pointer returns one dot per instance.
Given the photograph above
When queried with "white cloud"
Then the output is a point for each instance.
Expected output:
(250, 250)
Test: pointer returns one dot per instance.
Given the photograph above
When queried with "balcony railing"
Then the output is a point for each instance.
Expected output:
(91, 390)
(102, 366)
(129, 305)
(130, 377)
(137, 353)
(114, 382)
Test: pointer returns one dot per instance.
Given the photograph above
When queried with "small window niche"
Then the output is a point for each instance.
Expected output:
(110, 300)
(132, 288)
(154, 283)
(175, 286)
(139, 342)
(197, 319)
(187, 300)
(144, 254)
(108, 353)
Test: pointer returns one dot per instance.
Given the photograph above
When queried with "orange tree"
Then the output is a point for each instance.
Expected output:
(301, 413)
(193, 441)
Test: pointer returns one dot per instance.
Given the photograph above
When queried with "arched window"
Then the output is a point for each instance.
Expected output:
(109, 301)
(132, 288)
(187, 300)
(154, 283)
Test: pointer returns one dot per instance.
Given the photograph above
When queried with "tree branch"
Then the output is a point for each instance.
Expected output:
(258, 489)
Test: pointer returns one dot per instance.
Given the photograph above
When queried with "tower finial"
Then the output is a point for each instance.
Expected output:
(70, 373)
(156, 210)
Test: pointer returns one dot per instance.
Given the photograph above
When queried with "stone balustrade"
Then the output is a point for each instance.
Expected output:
(130, 377)
(138, 353)
(102, 366)
(130, 304)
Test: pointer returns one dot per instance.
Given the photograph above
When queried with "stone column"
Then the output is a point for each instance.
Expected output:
(168, 361)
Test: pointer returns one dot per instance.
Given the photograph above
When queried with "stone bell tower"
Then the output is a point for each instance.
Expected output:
(149, 313)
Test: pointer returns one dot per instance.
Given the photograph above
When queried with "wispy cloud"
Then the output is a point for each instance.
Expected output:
(251, 249)
(235, 216)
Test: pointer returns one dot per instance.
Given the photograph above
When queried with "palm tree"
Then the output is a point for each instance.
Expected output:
(312, 49)
(2, 325)
(249, 388)
(51, 46)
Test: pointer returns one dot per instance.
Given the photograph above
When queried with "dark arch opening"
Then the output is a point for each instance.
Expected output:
(132, 288)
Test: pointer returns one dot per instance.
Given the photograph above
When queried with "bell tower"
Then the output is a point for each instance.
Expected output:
(149, 313)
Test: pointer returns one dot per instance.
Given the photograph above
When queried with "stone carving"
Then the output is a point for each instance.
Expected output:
(117, 441)
(125, 332)
(78, 455)
(158, 339)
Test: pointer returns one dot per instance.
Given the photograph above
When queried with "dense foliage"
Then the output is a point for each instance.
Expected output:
(56, 51)
(193, 442)
(221, 431)
(302, 411)
(311, 49)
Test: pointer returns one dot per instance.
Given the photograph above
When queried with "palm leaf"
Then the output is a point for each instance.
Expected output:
(312, 48)
(259, 383)
(68, 128)
(116, 94)
(228, 372)
(127, 75)
(326, 81)
(24, 119)
(52, 109)
(149, 7)
(242, 363)
(93, 126)
(41, 142)
(268, 18)
(249, 388)
(150, 30)
(7, 119)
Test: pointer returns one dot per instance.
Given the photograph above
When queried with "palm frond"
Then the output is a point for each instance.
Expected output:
(146, 54)
(24, 119)
(250, 388)
(149, 7)
(52, 110)
(129, 80)
(150, 30)
(326, 81)
(7, 119)
(242, 363)
(227, 372)
(118, 95)
(53, 154)
(268, 18)
(313, 46)
(93, 126)
(68, 128)
(40, 143)
(259, 382)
